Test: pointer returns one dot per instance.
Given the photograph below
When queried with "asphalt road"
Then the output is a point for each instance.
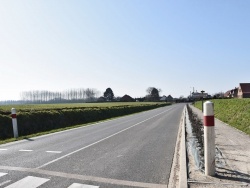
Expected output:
(132, 151)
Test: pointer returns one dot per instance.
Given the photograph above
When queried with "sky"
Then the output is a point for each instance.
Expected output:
(127, 45)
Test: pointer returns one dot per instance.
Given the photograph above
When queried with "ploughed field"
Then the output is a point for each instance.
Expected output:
(235, 112)
(37, 119)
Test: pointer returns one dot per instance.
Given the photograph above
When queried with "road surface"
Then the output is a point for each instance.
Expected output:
(132, 151)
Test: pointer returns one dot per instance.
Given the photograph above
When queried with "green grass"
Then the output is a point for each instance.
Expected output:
(235, 112)
(72, 105)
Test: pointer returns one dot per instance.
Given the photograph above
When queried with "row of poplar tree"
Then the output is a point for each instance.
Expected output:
(78, 95)
(82, 94)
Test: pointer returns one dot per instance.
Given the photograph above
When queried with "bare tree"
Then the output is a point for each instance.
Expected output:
(153, 94)
(72, 95)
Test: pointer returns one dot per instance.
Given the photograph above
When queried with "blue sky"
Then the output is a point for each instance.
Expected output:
(128, 45)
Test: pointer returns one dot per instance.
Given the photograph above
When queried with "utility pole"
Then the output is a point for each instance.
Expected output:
(202, 98)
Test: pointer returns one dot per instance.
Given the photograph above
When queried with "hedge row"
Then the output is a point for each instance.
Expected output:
(30, 122)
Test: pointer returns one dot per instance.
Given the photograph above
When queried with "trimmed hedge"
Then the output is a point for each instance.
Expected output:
(35, 121)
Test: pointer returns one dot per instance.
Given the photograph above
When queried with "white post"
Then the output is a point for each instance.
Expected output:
(14, 122)
(209, 138)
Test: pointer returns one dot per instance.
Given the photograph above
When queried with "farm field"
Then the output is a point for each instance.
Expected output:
(235, 112)
(72, 105)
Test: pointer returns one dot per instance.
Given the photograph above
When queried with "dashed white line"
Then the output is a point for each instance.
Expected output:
(2, 174)
(28, 150)
(78, 185)
(53, 151)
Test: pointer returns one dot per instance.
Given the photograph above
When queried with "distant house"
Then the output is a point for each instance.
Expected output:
(233, 93)
(169, 98)
(196, 95)
(101, 99)
(244, 90)
(127, 98)
(228, 94)
(163, 98)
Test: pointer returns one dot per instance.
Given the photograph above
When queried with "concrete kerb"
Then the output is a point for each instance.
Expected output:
(183, 157)
(178, 174)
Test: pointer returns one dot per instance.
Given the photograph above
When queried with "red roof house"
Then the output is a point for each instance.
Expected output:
(127, 98)
(244, 90)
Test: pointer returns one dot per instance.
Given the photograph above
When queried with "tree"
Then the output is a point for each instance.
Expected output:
(153, 94)
(108, 94)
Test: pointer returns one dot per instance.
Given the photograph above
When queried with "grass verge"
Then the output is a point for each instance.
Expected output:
(235, 112)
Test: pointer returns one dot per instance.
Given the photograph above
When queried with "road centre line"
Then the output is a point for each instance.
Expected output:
(54, 151)
(78, 185)
(85, 147)
(28, 150)
(85, 178)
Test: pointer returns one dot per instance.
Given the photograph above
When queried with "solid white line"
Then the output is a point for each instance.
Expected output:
(53, 151)
(85, 147)
(25, 150)
(78, 185)
(5, 182)
(28, 182)
(3, 149)
(2, 174)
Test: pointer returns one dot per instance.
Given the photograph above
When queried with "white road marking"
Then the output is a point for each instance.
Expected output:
(53, 151)
(28, 150)
(85, 178)
(46, 164)
(2, 174)
(28, 182)
(3, 149)
(78, 185)
(5, 182)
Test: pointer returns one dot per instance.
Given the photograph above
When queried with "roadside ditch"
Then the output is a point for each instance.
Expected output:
(195, 153)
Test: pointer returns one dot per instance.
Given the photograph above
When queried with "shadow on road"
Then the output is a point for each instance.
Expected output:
(28, 139)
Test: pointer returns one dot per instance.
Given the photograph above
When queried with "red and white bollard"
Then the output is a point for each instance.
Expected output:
(14, 122)
(209, 138)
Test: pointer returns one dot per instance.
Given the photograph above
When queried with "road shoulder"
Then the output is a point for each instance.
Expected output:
(233, 167)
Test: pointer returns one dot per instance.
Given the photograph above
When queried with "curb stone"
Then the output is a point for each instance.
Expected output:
(178, 174)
